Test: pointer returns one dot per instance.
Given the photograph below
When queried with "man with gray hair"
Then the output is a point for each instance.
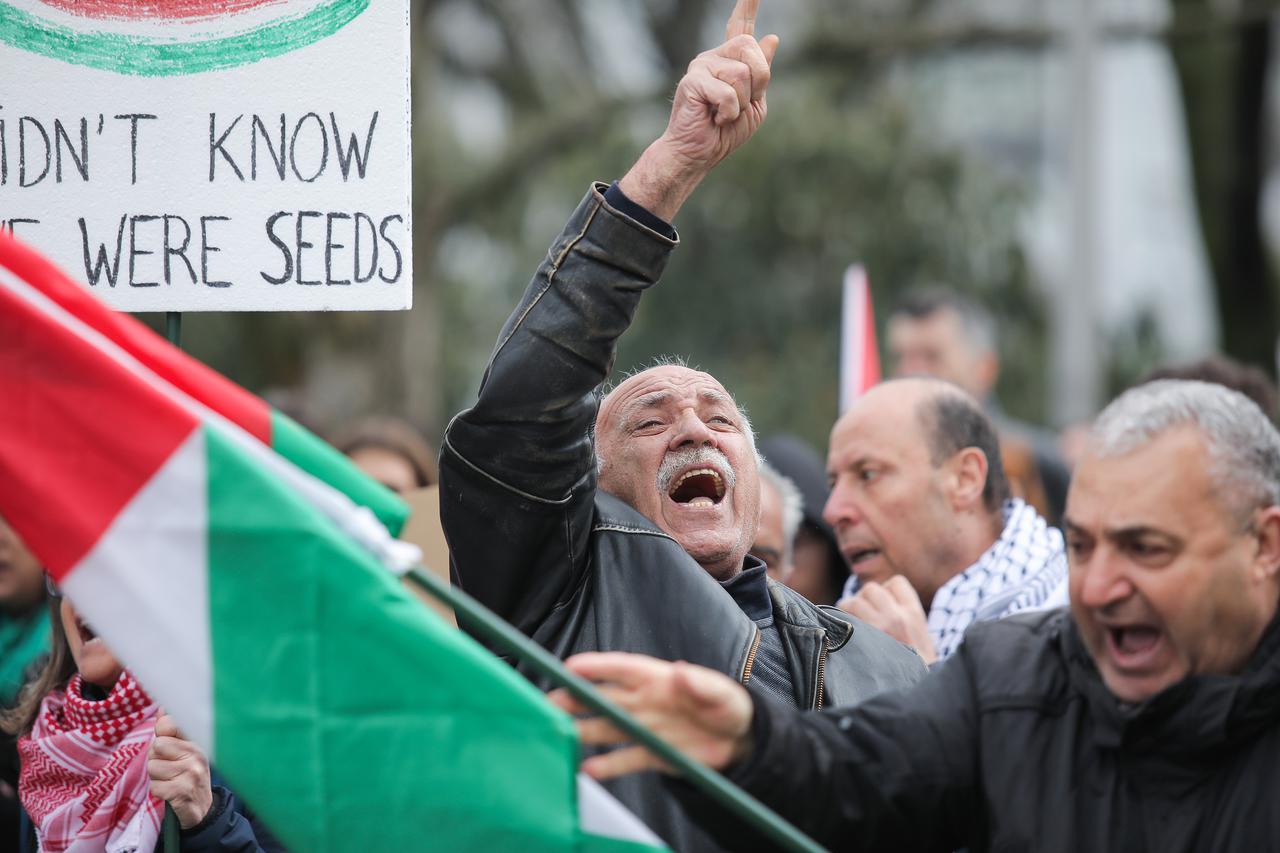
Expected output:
(1146, 718)
(646, 549)
(781, 510)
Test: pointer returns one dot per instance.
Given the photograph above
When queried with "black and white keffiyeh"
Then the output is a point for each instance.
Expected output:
(1026, 569)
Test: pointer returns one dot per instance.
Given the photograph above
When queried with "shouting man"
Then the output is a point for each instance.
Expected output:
(624, 524)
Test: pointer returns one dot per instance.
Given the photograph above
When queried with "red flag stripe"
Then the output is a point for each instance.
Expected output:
(169, 363)
(871, 352)
(79, 435)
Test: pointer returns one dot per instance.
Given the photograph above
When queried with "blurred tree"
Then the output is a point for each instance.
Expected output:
(1223, 56)
(838, 175)
(517, 106)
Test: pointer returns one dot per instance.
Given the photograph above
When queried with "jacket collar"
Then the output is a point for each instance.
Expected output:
(793, 609)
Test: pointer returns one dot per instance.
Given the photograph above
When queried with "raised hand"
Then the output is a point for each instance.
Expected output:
(894, 607)
(179, 773)
(704, 714)
(719, 104)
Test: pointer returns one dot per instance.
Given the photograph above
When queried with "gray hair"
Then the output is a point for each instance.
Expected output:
(1243, 444)
(792, 505)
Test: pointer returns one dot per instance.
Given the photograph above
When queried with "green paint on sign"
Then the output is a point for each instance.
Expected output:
(151, 56)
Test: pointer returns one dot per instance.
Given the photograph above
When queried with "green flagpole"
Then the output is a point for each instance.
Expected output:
(496, 631)
(173, 328)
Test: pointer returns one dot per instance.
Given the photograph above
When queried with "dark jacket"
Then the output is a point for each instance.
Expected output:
(577, 569)
(228, 828)
(1015, 743)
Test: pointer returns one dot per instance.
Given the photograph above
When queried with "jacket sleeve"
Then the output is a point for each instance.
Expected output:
(518, 469)
(898, 772)
(225, 830)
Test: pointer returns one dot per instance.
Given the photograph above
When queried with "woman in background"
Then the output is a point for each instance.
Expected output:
(99, 760)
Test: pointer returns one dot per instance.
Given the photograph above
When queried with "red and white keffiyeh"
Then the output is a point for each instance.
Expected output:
(84, 771)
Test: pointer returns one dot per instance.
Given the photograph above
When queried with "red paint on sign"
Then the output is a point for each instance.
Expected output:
(174, 10)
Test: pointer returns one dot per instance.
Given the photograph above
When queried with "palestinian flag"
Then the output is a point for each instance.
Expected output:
(209, 388)
(347, 714)
(167, 37)
(859, 352)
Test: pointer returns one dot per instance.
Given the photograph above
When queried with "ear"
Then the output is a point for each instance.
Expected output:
(1267, 529)
(965, 478)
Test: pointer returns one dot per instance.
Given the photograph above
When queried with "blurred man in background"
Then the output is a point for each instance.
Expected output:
(1250, 380)
(937, 332)
(818, 571)
(780, 515)
(390, 451)
(923, 514)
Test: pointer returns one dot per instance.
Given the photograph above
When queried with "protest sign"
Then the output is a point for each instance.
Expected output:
(192, 155)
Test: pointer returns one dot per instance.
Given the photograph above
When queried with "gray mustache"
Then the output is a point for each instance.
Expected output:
(678, 460)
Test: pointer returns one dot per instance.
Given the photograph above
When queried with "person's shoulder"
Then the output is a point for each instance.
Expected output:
(1020, 658)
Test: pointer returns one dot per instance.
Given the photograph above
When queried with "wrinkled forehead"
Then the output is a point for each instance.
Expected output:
(657, 386)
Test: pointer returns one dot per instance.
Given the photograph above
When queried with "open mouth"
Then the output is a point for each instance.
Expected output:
(860, 555)
(698, 487)
(1133, 645)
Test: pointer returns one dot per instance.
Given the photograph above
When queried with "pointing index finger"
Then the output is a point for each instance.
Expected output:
(742, 21)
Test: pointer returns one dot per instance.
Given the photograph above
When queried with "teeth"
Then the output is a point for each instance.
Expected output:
(701, 502)
(698, 472)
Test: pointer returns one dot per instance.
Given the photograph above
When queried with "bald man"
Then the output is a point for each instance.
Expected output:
(625, 524)
(922, 512)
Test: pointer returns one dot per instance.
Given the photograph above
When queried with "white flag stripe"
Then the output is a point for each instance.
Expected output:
(149, 572)
(356, 521)
(600, 814)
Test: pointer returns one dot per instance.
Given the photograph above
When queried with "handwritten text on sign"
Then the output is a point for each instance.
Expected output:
(275, 184)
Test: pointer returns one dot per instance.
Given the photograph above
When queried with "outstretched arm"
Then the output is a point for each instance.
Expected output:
(518, 468)
(895, 773)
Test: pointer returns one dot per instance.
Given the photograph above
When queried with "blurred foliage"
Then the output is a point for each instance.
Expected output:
(839, 174)
(842, 172)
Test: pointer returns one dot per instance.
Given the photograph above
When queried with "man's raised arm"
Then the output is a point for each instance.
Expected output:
(518, 468)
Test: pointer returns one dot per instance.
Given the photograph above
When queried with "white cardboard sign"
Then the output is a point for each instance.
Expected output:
(212, 155)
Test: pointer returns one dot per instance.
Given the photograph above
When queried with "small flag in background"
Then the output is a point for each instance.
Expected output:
(859, 353)
(242, 595)
(250, 413)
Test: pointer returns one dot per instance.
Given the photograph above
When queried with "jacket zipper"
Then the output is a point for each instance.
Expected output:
(822, 674)
(751, 657)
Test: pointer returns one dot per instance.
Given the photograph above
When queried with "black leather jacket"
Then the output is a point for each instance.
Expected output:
(577, 569)
(1015, 743)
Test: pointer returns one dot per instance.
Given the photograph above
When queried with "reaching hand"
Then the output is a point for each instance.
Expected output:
(719, 104)
(179, 773)
(894, 608)
(700, 712)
